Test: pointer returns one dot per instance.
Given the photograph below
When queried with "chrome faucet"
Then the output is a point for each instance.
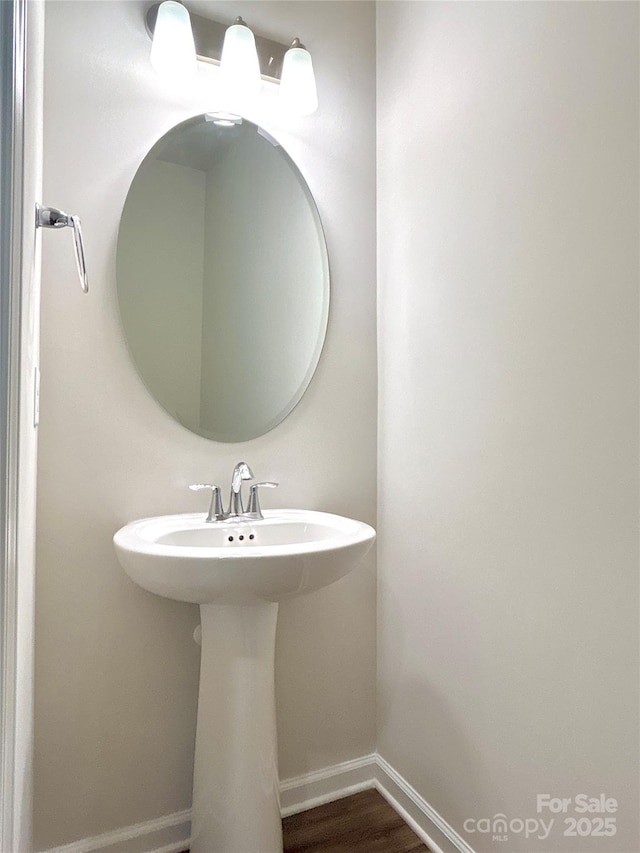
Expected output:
(236, 507)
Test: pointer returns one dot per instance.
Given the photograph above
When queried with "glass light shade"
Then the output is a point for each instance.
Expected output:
(173, 53)
(298, 83)
(239, 65)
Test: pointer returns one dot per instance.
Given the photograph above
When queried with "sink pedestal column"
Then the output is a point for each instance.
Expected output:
(236, 803)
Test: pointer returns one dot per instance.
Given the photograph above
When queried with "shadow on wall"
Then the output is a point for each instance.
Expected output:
(453, 755)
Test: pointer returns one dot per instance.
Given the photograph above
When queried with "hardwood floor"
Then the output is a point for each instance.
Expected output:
(362, 823)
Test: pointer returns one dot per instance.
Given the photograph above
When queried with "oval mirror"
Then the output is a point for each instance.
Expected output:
(223, 278)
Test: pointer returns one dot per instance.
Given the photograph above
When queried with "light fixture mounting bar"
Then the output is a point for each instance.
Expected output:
(208, 36)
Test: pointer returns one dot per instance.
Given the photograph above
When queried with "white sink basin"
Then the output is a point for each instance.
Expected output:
(288, 553)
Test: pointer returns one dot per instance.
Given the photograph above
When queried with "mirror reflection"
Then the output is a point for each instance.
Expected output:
(223, 280)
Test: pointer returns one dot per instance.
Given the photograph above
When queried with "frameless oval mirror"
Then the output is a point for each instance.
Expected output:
(223, 278)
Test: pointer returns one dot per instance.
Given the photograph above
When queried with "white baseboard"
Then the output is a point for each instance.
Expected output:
(300, 793)
(324, 786)
(169, 834)
(425, 821)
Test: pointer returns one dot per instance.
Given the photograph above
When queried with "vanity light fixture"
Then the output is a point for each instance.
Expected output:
(239, 65)
(298, 83)
(173, 52)
(244, 57)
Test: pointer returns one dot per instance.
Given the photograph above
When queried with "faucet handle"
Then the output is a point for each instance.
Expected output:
(254, 501)
(215, 507)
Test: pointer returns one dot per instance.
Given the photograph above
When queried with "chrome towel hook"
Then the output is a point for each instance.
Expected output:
(51, 217)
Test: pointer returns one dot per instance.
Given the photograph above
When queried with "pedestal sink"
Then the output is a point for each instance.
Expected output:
(238, 572)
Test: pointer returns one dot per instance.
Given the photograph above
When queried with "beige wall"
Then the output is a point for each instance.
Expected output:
(116, 668)
(508, 274)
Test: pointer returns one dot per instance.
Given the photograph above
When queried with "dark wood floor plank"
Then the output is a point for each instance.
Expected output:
(361, 823)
